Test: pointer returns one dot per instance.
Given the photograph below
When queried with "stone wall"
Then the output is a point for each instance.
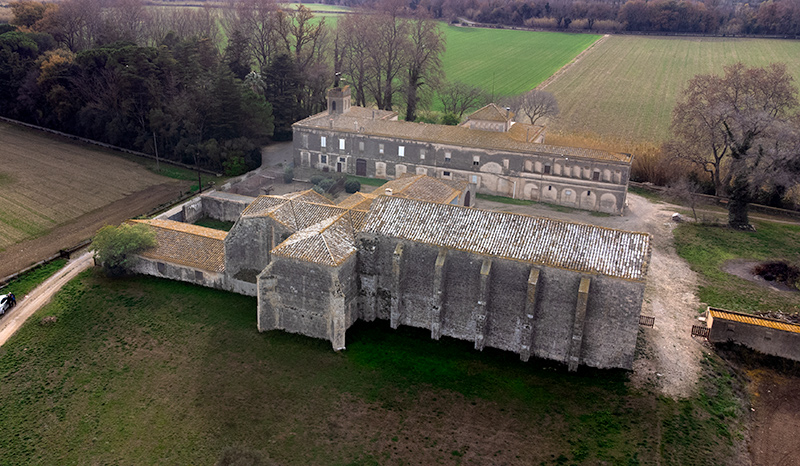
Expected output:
(219, 206)
(308, 298)
(248, 245)
(531, 310)
(220, 281)
(599, 185)
(767, 340)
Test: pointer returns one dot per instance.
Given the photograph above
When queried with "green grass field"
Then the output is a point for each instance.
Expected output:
(508, 62)
(148, 371)
(707, 248)
(626, 87)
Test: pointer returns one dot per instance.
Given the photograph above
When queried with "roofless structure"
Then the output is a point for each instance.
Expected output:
(413, 254)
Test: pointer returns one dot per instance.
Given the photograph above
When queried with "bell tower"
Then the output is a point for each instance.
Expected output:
(338, 100)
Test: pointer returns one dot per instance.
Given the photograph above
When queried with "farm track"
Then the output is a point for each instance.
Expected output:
(20, 255)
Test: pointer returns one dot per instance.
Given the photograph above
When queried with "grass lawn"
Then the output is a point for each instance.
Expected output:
(508, 62)
(707, 248)
(24, 283)
(627, 86)
(214, 223)
(148, 371)
(367, 181)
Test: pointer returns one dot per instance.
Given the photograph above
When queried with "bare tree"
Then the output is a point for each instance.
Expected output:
(354, 33)
(740, 130)
(386, 54)
(258, 21)
(458, 98)
(535, 105)
(426, 46)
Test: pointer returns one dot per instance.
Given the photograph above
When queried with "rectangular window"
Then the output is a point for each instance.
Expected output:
(401, 151)
(305, 141)
(361, 146)
(422, 154)
(447, 156)
(323, 141)
(474, 179)
(323, 158)
(446, 174)
(547, 169)
(342, 159)
(476, 160)
(380, 148)
(596, 176)
(198, 275)
(341, 144)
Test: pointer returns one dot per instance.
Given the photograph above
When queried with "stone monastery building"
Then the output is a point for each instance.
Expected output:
(489, 150)
(414, 254)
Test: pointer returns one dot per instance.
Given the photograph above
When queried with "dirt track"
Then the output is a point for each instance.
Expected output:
(21, 255)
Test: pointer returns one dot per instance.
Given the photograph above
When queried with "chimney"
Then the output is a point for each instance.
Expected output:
(388, 191)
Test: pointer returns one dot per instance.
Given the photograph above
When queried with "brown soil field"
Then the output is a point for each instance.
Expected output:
(775, 418)
(54, 193)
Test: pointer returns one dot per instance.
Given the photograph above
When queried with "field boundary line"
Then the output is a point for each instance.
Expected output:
(106, 146)
(569, 65)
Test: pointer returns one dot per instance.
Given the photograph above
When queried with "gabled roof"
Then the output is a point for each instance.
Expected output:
(420, 187)
(185, 244)
(539, 240)
(491, 112)
(297, 210)
(329, 242)
(357, 121)
(309, 195)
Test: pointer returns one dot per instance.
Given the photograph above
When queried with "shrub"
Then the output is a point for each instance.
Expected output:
(315, 179)
(579, 24)
(288, 175)
(607, 25)
(318, 189)
(450, 119)
(326, 184)
(778, 271)
(351, 186)
(547, 23)
(115, 247)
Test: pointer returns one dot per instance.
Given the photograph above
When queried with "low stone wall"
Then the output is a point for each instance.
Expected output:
(225, 207)
(187, 274)
(767, 336)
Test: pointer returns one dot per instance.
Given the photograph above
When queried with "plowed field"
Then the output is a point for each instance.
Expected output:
(52, 186)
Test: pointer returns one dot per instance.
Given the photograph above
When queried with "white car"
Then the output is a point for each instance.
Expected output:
(5, 303)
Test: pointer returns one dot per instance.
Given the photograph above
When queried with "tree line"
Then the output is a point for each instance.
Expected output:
(724, 17)
(206, 85)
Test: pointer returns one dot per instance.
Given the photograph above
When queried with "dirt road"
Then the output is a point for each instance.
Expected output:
(13, 320)
(18, 256)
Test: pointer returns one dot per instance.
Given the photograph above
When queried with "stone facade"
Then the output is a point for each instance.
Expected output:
(535, 286)
(499, 157)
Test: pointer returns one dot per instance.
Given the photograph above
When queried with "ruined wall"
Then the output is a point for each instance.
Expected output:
(219, 206)
(766, 340)
(308, 298)
(515, 306)
(220, 281)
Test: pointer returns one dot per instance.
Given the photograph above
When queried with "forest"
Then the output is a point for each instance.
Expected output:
(205, 86)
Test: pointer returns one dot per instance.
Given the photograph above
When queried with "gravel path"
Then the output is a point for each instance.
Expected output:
(27, 306)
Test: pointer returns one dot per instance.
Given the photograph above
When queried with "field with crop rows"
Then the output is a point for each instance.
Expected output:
(626, 87)
(508, 62)
(46, 181)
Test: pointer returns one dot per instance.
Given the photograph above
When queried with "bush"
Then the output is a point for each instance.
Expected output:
(288, 175)
(607, 25)
(546, 23)
(326, 184)
(579, 24)
(352, 186)
(315, 179)
(234, 166)
(318, 189)
(450, 119)
(778, 271)
(115, 247)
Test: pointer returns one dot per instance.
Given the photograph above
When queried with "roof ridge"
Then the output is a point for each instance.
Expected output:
(193, 233)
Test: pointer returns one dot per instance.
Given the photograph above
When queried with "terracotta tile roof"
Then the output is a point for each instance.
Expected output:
(491, 112)
(296, 213)
(752, 320)
(351, 122)
(329, 242)
(423, 188)
(263, 205)
(309, 195)
(359, 201)
(186, 244)
(573, 246)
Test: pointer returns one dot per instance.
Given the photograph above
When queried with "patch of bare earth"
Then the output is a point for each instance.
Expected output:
(775, 419)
